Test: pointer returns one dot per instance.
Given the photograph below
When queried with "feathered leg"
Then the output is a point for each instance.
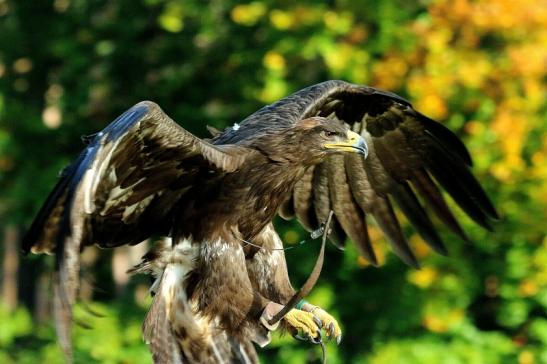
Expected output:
(223, 288)
(268, 273)
(174, 328)
(267, 267)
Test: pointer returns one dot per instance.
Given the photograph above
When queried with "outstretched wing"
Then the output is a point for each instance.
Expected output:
(409, 155)
(128, 179)
(121, 189)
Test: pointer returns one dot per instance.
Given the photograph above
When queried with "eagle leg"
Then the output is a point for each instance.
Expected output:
(268, 273)
(224, 290)
(267, 268)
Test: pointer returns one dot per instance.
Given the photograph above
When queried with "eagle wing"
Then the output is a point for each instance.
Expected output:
(128, 179)
(121, 189)
(410, 155)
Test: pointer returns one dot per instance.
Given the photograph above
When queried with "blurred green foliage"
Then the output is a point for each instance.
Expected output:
(68, 67)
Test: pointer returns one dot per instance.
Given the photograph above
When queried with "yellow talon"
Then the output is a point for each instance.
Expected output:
(330, 325)
(302, 322)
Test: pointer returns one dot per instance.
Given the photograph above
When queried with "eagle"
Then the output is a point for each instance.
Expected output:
(219, 265)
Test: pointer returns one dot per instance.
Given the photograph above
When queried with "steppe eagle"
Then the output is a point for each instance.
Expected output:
(220, 270)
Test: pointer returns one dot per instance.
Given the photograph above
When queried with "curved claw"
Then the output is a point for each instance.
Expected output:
(314, 340)
(318, 339)
(329, 324)
(331, 330)
(317, 321)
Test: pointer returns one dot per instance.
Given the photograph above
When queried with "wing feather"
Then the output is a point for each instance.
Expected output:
(303, 201)
(413, 210)
(349, 215)
(406, 149)
(321, 196)
(434, 198)
(322, 205)
(130, 174)
(379, 207)
(446, 173)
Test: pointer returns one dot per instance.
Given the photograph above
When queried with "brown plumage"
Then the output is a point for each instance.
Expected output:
(144, 175)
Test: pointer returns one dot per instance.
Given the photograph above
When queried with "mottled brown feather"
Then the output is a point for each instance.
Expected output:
(379, 207)
(350, 216)
(322, 204)
(303, 200)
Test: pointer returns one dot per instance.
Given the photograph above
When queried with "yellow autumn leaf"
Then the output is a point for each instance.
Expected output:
(248, 14)
(424, 277)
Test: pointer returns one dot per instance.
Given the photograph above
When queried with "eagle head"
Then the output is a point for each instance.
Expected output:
(319, 137)
(308, 141)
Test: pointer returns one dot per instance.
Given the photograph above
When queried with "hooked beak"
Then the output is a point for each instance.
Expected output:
(354, 143)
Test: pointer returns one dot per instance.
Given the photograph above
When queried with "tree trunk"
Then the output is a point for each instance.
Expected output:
(10, 267)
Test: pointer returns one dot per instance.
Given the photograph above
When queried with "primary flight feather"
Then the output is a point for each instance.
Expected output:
(335, 146)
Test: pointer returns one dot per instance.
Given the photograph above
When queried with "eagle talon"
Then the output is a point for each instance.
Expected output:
(318, 339)
(329, 323)
(313, 340)
(331, 330)
(304, 325)
(317, 321)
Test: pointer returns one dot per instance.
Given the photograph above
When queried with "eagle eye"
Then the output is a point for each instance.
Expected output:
(329, 133)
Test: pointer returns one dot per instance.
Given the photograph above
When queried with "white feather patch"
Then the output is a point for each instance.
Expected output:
(99, 170)
(137, 207)
(89, 205)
